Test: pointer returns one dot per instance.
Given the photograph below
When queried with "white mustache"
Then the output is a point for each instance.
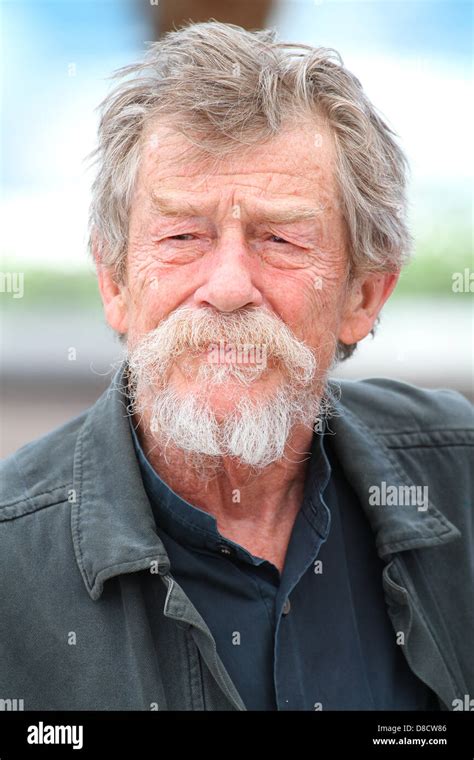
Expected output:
(190, 331)
(255, 431)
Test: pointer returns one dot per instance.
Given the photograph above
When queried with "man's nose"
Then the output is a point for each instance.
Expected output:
(229, 285)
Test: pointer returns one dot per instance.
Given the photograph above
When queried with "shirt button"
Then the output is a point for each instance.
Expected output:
(286, 607)
(224, 549)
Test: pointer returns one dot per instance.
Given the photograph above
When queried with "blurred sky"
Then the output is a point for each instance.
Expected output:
(413, 58)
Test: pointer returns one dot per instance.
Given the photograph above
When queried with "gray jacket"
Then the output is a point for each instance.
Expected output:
(92, 618)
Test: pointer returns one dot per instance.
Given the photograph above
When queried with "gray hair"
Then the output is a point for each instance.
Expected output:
(225, 87)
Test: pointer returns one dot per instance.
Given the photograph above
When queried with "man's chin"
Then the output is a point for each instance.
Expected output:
(223, 396)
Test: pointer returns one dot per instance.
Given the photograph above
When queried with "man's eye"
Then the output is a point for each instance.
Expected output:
(184, 236)
(276, 239)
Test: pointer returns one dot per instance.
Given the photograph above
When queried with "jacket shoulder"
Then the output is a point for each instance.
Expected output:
(40, 473)
(395, 406)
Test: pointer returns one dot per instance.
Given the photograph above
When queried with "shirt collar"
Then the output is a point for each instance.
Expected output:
(190, 525)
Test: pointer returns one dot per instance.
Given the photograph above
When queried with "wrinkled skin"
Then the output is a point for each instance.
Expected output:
(226, 246)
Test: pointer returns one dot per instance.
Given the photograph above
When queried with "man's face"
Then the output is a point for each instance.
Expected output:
(236, 293)
(261, 232)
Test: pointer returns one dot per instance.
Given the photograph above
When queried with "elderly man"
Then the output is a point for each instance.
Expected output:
(227, 528)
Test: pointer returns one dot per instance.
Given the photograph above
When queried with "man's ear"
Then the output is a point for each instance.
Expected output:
(365, 298)
(113, 294)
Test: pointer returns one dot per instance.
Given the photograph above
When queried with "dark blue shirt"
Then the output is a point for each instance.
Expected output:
(317, 636)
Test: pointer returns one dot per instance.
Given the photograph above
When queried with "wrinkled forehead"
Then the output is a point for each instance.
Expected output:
(295, 159)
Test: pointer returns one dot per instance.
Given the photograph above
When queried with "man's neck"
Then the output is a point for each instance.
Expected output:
(254, 509)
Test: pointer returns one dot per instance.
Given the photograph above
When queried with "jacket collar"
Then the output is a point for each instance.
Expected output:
(368, 462)
(112, 522)
(113, 526)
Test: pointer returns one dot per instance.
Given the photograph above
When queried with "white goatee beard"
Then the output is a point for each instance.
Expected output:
(254, 432)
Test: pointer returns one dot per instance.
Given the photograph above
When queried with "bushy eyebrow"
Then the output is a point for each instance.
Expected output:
(174, 205)
(287, 213)
(280, 212)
